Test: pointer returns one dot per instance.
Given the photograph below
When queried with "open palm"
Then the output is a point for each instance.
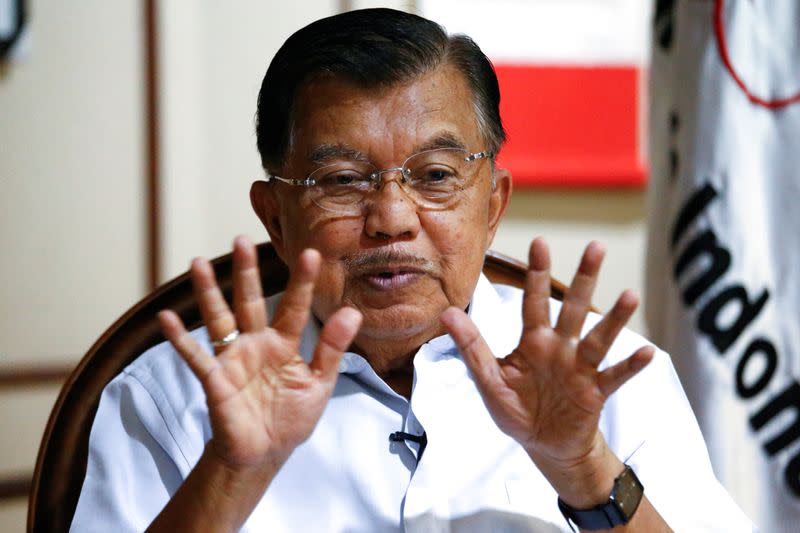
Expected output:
(263, 398)
(548, 393)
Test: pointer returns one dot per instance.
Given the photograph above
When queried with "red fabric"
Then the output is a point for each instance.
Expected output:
(571, 126)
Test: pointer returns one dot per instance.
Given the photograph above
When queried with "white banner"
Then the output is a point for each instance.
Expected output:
(549, 32)
(723, 265)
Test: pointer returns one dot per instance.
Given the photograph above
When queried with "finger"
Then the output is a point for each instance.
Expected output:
(248, 298)
(335, 337)
(477, 354)
(594, 347)
(200, 361)
(293, 311)
(614, 377)
(578, 298)
(214, 309)
(536, 301)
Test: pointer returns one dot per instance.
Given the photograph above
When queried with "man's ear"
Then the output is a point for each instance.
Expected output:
(498, 200)
(265, 204)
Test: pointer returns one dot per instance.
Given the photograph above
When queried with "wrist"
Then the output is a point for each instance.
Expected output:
(232, 477)
(585, 481)
(216, 492)
(269, 462)
(618, 510)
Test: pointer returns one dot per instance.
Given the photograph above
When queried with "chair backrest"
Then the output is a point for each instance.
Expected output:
(61, 464)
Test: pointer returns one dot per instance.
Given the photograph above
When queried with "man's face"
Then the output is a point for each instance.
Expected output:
(399, 264)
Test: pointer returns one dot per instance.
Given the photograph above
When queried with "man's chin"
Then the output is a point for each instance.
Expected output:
(399, 322)
(399, 308)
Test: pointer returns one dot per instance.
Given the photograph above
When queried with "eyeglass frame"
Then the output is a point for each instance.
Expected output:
(377, 176)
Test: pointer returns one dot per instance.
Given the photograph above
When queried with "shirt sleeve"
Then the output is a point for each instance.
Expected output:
(652, 428)
(129, 477)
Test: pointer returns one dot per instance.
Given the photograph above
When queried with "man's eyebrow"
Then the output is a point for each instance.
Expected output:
(442, 140)
(324, 153)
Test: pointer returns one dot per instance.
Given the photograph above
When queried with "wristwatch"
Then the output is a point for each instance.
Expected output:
(618, 510)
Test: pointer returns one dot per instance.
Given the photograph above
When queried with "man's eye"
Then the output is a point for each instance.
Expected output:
(339, 179)
(435, 176)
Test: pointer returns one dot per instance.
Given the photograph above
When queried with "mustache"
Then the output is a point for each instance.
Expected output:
(365, 260)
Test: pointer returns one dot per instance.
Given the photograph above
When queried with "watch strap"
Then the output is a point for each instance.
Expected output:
(604, 516)
(617, 511)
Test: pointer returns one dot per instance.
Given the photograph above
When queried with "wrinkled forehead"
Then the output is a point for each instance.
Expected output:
(433, 110)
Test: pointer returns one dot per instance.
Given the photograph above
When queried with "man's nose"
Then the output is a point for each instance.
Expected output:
(391, 213)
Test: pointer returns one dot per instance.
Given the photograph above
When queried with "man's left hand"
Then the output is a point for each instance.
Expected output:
(548, 393)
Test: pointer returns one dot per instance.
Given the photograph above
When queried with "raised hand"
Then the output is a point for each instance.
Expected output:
(263, 399)
(548, 393)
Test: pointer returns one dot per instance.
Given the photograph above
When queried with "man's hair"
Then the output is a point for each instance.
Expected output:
(371, 48)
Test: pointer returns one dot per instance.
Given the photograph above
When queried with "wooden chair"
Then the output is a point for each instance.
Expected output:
(61, 464)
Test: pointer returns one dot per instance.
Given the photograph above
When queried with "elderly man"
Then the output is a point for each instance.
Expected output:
(391, 386)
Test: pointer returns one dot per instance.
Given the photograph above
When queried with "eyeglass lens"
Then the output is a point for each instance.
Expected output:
(431, 179)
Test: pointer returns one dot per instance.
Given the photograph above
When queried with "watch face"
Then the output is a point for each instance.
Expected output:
(627, 492)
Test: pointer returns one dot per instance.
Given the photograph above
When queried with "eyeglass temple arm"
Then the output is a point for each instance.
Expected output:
(302, 183)
(478, 155)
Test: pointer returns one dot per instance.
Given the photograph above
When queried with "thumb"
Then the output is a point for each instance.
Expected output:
(477, 354)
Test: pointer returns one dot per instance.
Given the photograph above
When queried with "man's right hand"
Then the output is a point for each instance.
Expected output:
(263, 399)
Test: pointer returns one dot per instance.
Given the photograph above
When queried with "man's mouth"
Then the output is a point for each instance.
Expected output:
(386, 269)
(391, 278)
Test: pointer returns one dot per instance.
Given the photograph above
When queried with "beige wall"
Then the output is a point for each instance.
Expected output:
(568, 220)
(71, 168)
(213, 56)
(71, 201)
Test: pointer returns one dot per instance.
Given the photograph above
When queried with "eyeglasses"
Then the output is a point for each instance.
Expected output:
(433, 179)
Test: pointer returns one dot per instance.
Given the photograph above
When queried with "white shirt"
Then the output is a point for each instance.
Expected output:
(152, 425)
